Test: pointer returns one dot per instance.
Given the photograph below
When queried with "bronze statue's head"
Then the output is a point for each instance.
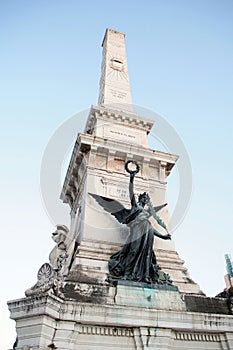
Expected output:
(143, 198)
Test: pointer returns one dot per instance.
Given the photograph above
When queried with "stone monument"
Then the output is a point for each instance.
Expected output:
(90, 295)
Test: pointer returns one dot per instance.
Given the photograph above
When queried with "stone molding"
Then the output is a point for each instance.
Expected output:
(116, 117)
(107, 331)
(199, 336)
(62, 320)
(180, 321)
(86, 143)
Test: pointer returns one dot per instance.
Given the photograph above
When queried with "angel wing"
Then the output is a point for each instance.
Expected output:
(159, 207)
(113, 207)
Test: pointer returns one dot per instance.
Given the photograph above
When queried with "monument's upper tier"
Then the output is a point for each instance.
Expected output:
(114, 81)
(119, 125)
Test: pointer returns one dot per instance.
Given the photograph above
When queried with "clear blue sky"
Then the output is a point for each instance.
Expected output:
(180, 57)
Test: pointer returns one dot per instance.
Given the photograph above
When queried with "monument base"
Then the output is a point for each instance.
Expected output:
(161, 297)
(164, 322)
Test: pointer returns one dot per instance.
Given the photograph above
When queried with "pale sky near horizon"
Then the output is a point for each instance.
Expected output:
(180, 60)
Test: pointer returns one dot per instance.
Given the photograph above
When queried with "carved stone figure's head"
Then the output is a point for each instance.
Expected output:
(60, 234)
(143, 198)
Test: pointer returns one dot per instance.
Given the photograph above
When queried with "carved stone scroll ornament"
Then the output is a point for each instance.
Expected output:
(45, 280)
(49, 275)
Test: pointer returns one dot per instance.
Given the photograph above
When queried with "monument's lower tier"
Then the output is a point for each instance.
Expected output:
(128, 317)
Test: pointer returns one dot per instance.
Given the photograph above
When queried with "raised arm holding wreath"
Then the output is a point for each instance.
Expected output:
(136, 260)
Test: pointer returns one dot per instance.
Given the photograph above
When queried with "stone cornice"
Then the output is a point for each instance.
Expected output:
(118, 117)
(86, 142)
(95, 142)
(81, 312)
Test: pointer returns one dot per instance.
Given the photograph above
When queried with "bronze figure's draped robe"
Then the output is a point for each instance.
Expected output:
(136, 260)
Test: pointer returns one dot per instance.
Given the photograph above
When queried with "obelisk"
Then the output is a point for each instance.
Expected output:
(114, 81)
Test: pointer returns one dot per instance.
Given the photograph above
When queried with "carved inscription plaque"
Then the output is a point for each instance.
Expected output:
(122, 134)
(118, 94)
(118, 192)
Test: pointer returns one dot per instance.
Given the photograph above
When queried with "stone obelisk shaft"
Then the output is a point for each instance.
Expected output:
(114, 81)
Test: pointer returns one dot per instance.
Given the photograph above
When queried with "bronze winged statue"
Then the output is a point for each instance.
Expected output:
(136, 260)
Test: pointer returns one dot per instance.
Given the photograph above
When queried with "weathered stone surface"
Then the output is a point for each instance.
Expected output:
(208, 305)
(87, 293)
(149, 296)
(68, 324)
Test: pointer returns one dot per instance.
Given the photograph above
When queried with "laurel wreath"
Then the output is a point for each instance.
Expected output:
(132, 171)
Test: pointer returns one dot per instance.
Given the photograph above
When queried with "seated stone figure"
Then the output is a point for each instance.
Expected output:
(58, 255)
(48, 274)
